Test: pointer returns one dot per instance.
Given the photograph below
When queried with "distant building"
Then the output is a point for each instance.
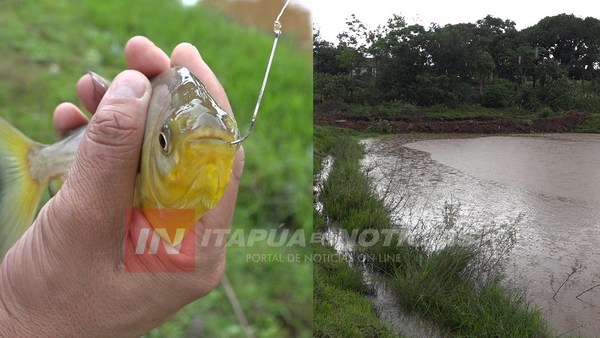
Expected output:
(369, 66)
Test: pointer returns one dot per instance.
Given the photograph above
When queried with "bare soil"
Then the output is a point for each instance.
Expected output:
(567, 122)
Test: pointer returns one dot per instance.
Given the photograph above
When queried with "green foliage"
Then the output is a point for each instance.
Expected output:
(319, 222)
(325, 56)
(273, 295)
(528, 98)
(341, 308)
(47, 45)
(327, 86)
(345, 87)
(390, 110)
(325, 140)
(549, 71)
(334, 105)
(559, 94)
(570, 39)
(546, 112)
(464, 63)
(381, 126)
(497, 95)
(347, 196)
(431, 89)
(406, 257)
(463, 308)
(593, 126)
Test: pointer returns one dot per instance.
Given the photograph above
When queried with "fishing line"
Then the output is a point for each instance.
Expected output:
(277, 30)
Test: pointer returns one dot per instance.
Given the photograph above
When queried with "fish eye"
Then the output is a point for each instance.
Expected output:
(163, 138)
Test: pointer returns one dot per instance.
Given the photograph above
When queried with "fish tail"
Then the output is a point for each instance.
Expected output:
(19, 192)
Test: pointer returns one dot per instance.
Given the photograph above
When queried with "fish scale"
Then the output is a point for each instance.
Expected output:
(198, 159)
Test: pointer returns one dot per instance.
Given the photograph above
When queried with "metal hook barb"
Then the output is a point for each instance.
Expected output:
(277, 30)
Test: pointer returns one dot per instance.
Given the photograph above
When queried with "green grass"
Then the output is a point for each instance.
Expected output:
(398, 110)
(352, 205)
(593, 125)
(474, 111)
(435, 285)
(324, 139)
(273, 294)
(341, 308)
(449, 286)
(46, 45)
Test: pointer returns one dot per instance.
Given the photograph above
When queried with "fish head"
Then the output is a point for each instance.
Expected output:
(187, 157)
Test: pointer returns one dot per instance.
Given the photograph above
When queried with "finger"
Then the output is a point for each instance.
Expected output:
(144, 56)
(100, 85)
(188, 56)
(91, 89)
(103, 175)
(88, 93)
(141, 55)
(67, 117)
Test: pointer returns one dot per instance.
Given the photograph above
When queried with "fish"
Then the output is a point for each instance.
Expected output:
(187, 157)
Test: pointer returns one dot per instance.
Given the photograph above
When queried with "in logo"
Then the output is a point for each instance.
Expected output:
(158, 240)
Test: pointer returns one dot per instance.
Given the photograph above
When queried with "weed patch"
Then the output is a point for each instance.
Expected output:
(451, 276)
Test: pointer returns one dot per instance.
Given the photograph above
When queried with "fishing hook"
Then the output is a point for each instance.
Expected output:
(277, 29)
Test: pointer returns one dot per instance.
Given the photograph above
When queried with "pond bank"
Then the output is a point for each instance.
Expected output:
(570, 121)
(439, 285)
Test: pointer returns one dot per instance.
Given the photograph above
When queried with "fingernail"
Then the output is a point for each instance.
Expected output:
(100, 85)
(127, 84)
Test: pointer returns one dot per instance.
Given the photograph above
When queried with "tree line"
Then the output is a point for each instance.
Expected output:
(555, 64)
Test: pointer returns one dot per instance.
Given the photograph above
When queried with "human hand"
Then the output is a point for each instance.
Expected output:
(65, 276)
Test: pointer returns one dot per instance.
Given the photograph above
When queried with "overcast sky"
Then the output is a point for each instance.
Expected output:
(330, 15)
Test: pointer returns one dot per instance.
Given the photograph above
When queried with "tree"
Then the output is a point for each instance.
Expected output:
(487, 62)
(571, 41)
(325, 56)
(352, 45)
(401, 57)
(549, 71)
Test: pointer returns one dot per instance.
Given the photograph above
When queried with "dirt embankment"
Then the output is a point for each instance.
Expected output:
(567, 122)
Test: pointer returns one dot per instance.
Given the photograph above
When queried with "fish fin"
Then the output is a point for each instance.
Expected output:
(55, 185)
(19, 192)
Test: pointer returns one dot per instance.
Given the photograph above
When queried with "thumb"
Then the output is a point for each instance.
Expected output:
(101, 182)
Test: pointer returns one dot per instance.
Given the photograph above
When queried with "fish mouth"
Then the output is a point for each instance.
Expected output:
(209, 162)
(211, 137)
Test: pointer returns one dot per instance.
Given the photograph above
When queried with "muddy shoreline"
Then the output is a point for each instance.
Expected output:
(542, 180)
(567, 122)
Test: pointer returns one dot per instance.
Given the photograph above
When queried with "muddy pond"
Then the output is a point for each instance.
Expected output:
(547, 187)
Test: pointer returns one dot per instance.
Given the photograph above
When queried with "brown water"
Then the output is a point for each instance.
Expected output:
(390, 311)
(547, 185)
